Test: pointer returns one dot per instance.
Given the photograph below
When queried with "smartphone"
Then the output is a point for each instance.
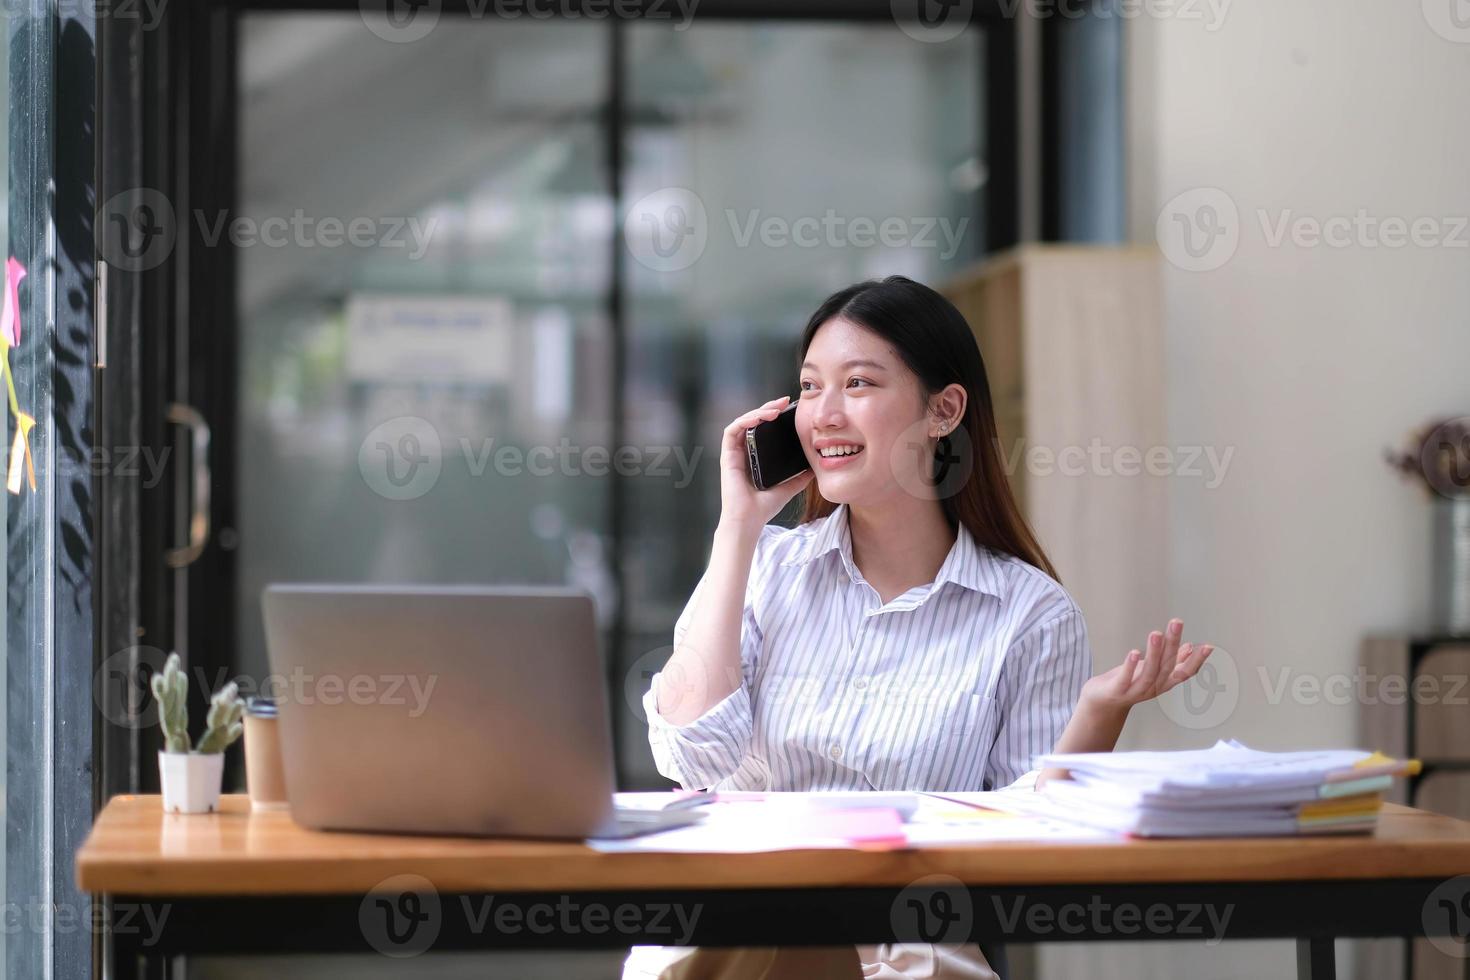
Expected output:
(774, 451)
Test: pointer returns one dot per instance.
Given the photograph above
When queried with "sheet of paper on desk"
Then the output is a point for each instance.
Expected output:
(904, 803)
(646, 801)
(977, 818)
(748, 827)
(760, 825)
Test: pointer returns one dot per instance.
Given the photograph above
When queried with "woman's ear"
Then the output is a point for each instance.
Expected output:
(947, 408)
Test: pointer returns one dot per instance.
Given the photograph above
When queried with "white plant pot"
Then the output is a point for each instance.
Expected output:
(191, 781)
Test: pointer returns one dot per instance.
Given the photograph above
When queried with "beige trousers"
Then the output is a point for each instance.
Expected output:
(885, 961)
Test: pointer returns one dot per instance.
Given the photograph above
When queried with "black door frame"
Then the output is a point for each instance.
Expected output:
(50, 528)
(164, 140)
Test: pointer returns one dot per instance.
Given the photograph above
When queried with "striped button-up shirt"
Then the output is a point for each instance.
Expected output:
(955, 685)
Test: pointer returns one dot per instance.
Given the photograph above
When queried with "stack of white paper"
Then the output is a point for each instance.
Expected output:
(1225, 791)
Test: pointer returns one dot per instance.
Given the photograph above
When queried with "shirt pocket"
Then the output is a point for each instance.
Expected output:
(968, 714)
(958, 758)
(946, 752)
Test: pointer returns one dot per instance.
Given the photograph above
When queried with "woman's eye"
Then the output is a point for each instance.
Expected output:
(853, 381)
(808, 386)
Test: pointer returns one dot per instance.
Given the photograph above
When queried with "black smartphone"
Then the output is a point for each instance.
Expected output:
(774, 451)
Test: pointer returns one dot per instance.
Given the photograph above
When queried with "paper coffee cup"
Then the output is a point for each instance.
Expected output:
(265, 776)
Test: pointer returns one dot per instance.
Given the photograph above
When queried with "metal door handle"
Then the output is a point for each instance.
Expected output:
(187, 415)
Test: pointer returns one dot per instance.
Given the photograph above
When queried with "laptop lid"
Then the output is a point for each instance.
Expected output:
(441, 709)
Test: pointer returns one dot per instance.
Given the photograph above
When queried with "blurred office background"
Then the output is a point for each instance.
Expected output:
(502, 173)
(497, 137)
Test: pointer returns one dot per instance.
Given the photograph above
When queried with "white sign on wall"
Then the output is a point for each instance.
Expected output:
(410, 338)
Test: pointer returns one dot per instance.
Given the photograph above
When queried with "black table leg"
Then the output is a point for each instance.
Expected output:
(1315, 959)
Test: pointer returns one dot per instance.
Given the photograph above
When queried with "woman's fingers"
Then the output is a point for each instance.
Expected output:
(790, 486)
(1128, 669)
(1166, 663)
(776, 403)
(770, 409)
(1190, 665)
(766, 412)
(735, 431)
(1181, 671)
(1143, 678)
(750, 419)
(1169, 659)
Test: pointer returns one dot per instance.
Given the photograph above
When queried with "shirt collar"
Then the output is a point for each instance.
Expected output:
(968, 564)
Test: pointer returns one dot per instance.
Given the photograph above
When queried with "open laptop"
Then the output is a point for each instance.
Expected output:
(446, 710)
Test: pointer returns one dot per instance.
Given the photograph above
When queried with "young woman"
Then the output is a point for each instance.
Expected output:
(909, 633)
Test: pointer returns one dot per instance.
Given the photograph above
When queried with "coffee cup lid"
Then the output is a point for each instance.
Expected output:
(261, 707)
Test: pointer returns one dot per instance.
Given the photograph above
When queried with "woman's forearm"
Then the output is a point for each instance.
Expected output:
(705, 666)
(1092, 728)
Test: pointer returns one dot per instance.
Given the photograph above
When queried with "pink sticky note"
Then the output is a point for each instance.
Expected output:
(10, 316)
(863, 826)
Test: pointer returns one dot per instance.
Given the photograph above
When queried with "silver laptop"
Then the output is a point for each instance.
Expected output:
(446, 710)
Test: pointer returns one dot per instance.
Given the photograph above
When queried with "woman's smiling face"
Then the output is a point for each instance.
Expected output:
(858, 400)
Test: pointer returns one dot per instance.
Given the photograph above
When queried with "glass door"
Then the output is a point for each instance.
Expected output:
(424, 367)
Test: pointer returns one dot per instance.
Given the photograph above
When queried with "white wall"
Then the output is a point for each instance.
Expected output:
(1307, 360)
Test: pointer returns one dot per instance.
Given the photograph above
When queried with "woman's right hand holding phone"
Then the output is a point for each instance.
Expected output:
(705, 667)
(741, 504)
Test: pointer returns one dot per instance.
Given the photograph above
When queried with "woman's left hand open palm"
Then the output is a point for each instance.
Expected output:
(1143, 676)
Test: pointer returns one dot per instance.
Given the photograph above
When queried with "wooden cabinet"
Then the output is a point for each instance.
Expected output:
(1072, 338)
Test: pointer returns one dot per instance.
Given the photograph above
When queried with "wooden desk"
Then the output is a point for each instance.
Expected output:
(242, 882)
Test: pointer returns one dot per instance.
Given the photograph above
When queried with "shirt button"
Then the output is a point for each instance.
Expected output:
(861, 683)
(835, 751)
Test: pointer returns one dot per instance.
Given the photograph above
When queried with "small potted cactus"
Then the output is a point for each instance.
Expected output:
(191, 777)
